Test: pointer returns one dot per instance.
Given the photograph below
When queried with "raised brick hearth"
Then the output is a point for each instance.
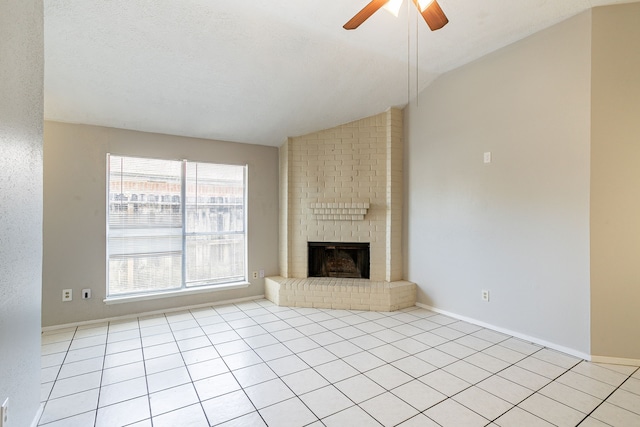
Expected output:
(341, 294)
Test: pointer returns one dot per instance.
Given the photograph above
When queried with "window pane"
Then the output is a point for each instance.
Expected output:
(145, 225)
(215, 259)
(215, 198)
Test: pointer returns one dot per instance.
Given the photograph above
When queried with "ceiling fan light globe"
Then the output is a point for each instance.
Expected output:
(424, 4)
(393, 6)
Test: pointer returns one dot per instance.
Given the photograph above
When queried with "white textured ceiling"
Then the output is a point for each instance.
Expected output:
(258, 71)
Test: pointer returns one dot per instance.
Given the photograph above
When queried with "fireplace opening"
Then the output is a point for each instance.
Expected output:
(347, 260)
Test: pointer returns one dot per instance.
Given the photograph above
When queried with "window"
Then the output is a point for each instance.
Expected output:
(174, 225)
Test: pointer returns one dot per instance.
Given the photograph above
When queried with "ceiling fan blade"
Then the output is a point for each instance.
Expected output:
(364, 14)
(433, 15)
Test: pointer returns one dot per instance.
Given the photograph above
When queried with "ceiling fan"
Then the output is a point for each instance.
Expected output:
(432, 14)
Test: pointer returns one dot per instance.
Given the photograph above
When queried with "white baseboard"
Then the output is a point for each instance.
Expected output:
(516, 334)
(151, 313)
(615, 360)
(36, 419)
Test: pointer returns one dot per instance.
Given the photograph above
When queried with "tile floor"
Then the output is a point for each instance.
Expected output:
(256, 364)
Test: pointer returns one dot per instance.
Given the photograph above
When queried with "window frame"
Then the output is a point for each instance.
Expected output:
(184, 234)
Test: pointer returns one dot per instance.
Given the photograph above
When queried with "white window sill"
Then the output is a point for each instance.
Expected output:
(177, 293)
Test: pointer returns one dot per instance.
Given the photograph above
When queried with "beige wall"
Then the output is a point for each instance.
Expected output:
(519, 226)
(21, 106)
(359, 162)
(615, 183)
(75, 214)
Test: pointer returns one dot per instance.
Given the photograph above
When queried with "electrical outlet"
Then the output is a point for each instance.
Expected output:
(485, 295)
(261, 273)
(255, 275)
(86, 293)
(4, 413)
(67, 294)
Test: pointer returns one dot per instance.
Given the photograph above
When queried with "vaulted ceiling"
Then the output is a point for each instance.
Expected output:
(259, 71)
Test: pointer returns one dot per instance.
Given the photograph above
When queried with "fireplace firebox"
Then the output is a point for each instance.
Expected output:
(330, 259)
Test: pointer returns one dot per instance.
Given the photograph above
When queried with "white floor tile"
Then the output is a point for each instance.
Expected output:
(504, 353)
(517, 417)
(232, 347)
(252, 419)
(305, 381)
(625, 400)
(487, 362)
(260, 341)
(367, 342)
(585, 384)
(124, 413)
(161, 364)
(444, 382)
(452, 414)
(632, 385)
(483, 402)
(191, 416)
(268, 393)
(456, 350)
(556, 358)
(193, 343)
(343, 348)
(242, 360)
(172, 398)
(473, 342)
(541, 367)
(389, 409)
(388, 352)
(254, 374)
(599, 373)
(208, 368)
(467, 372)
(64, 407)
(448, 333)
(211, 387)
(436, 357)
(121, 346)
(326, 401)
(336, 371)
(227, 407)
(124, 358)
(419, 395)
(199, 355)
(85, 353)
(414, 366)
(552, 411)
(125, 390)
(578, 400)
(525, 378)
(419, 420)
(77, 384)
(167, 379)
(274, 351)
(287, 365)
(521, 346)
(359, 388)
(353, 416)
(364, 361)
(388, 376)
(81, 420)
(505, 389)
(290, 413)
(316, 356)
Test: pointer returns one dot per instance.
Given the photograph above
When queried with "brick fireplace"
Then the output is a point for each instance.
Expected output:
(342, 185)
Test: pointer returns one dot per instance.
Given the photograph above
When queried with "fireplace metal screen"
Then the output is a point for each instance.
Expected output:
(348, 260)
